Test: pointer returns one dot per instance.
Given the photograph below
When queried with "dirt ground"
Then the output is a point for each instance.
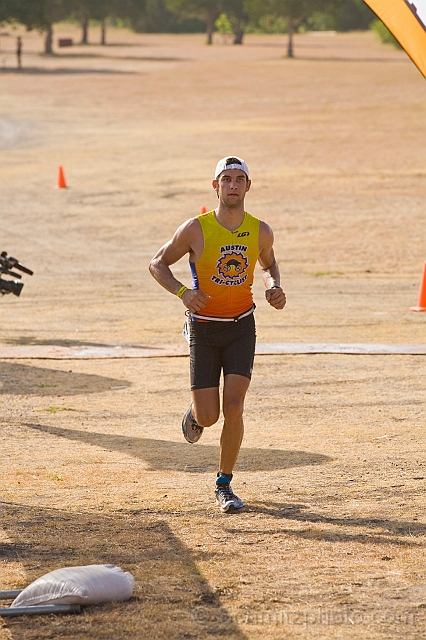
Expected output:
(94, 469)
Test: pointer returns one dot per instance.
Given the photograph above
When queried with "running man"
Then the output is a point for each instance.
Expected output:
(223, 247)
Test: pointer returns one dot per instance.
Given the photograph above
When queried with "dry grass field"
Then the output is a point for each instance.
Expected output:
(94, 469)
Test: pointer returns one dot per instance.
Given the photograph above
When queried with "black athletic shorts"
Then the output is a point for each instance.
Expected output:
(216, 346)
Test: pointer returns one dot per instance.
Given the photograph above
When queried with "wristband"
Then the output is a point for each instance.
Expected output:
(181, 291)
(276, 286)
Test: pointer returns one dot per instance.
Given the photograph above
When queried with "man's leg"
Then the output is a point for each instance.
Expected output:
(205, 406)
(203, 412)
(205, 369)
(234, 392)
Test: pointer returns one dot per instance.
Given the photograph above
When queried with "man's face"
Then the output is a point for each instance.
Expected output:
(231, 187)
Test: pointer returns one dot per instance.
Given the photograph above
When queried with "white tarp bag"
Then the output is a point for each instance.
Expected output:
(92, 584)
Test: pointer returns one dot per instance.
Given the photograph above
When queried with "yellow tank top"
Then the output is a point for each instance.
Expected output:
(225, 269)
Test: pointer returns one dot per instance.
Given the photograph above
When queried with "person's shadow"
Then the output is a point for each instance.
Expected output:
(172, 598)
(165, 455)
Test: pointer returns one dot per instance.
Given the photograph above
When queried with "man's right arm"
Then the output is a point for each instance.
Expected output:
(183, 242)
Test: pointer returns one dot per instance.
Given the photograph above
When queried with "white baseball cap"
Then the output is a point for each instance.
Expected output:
(231, 162)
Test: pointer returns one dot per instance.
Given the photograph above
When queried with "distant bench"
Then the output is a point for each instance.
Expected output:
(65, 42)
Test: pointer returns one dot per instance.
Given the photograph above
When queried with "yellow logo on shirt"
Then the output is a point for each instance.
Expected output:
(231, 266)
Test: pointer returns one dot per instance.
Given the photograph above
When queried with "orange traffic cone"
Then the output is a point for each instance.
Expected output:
(421, 302)
(203, 210)
(61, 179)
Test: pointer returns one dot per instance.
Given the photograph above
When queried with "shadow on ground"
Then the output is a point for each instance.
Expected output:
(22, 379)
(100, 56)
(375, 530)
(32, 341)
(163, 455)
(62, 71)
(354, 59)
(171, 599)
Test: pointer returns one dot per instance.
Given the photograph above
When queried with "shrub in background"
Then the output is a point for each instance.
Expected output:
(384, 34)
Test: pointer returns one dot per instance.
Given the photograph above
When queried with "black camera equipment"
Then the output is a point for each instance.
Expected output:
(7, 263)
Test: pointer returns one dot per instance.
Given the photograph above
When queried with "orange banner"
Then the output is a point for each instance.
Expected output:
(406, 20)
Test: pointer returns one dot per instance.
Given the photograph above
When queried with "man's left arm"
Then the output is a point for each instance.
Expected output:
(270, 270)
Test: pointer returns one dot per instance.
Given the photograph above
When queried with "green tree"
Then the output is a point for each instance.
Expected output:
(353, 14)
(207, 10)
(84, 9)
(223, 26)
(294, 12)
(159, 18)
(238, 15)
(383, 33)
(26, 12)
(53, 11)
(132, 10)
(38, 14)
(101, 10)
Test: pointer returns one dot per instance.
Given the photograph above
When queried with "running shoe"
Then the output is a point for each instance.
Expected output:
(226, 498)
(190, 427)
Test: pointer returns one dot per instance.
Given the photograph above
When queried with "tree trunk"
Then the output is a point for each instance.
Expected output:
(48, 50)
(238, 35)
(290, 39)
(84, 30)
(210, 26)
(103, 31)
